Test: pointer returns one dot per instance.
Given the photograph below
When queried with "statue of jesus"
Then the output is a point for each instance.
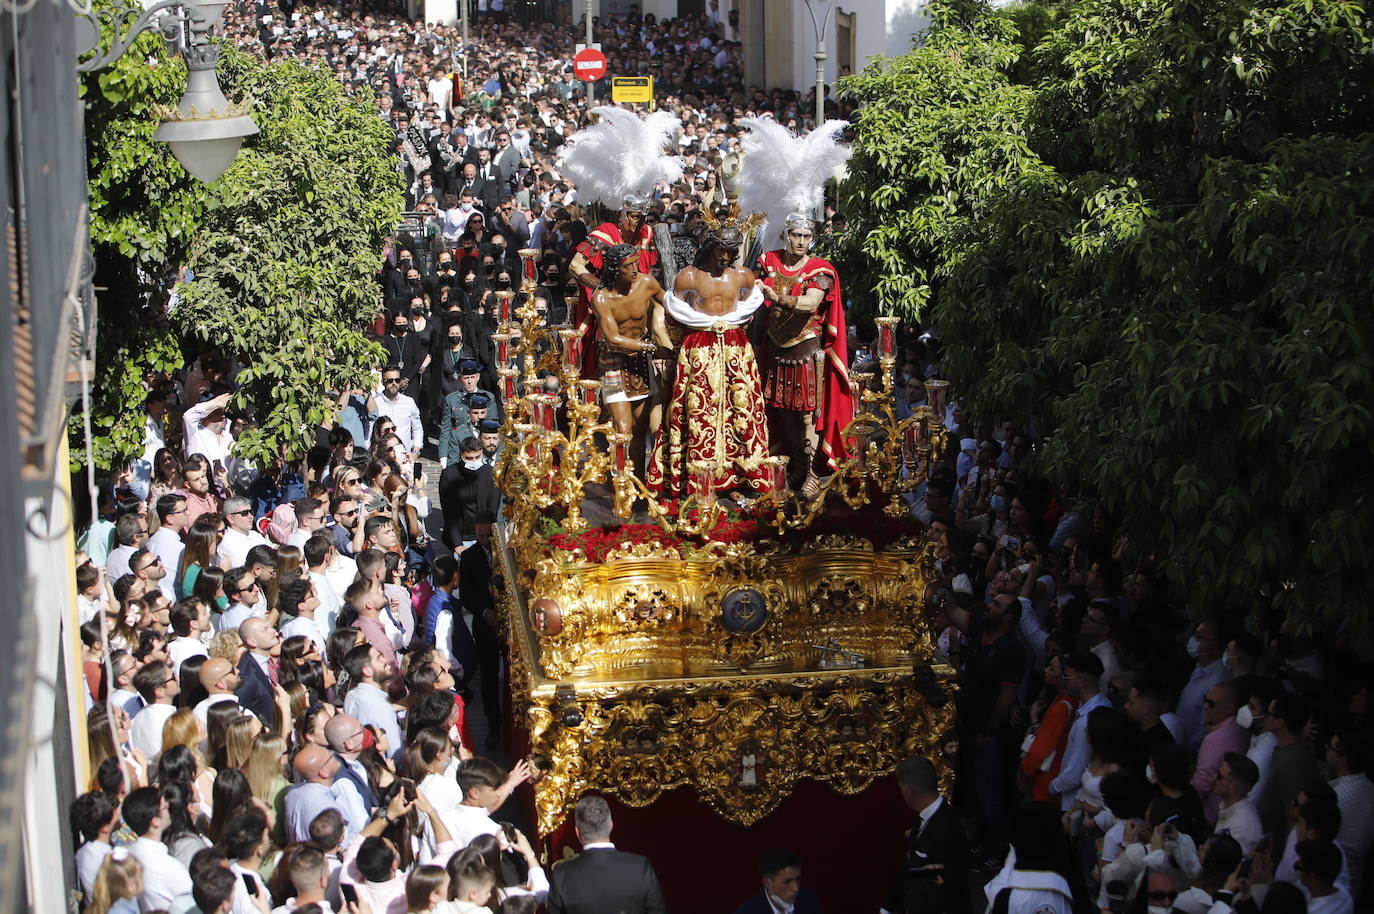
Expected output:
(715, 418)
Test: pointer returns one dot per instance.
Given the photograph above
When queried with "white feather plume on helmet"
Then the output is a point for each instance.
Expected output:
(619, 160)
(783, 175)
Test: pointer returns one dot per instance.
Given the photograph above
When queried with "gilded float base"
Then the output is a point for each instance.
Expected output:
(734, 674)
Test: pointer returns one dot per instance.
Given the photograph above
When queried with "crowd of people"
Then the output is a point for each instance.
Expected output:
(280, 659)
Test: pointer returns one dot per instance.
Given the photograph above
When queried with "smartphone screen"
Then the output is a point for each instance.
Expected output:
(350, 894)
(249, 883)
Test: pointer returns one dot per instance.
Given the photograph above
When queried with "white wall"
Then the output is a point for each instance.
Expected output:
(881, 27)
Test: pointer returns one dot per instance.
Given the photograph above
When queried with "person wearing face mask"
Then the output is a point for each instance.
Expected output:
(394, 283)
(466, 489)
(1204, 647)
(1262, 740)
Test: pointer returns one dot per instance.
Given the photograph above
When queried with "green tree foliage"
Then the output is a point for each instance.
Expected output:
(144, 210)
(283, 248)
(1151, 233)
(285, 259)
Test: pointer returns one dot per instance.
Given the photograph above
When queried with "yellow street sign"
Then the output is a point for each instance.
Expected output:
(632, 89)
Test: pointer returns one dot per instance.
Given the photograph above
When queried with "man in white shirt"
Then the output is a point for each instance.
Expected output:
(147, 566)
(206, 428)
(296, 595)
(166, 542)
(153, 439)
(131, 532)
(400, 409)
(239, 536)
(95, 816)
(308, 873)
(158, 685)
(310, 514)
(189, 621)
(1082, 672)
(164, 877)
(1319, 863)
(220, 678)
(242, 588)
(1237, 815)
(124, 695)
(317, 553)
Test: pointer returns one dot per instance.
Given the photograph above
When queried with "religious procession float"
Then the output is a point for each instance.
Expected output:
(710, 577)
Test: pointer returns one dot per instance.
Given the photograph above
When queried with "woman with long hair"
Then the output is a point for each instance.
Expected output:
(294, 652)
(183, 733)
(182, 836)
(266, 773)
(289, 558)
(409, 523)
(425, 674)
(102, 744)
(217, 720)
(238, 739)
(202, 542)
(167, 476)
(192, 692)
(232, 795)
(337, 645)
(310, 725)
(318, 680)
(1111, 739)
(209, 588)
(536, 881)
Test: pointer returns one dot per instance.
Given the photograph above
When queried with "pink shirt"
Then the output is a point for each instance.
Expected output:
(1227, 736)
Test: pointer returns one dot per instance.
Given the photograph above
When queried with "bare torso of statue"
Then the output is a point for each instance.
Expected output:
(629, 312)
(716, 293)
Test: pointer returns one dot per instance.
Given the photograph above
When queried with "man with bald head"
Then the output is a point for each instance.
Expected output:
(220, 679)
(1224, 736)
(258, 669)
(316, 790)
(347, 738)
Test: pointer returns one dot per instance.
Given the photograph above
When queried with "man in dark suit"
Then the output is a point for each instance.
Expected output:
(466, 489)
(474, 590)
(257, 667)
(934, 877)
(602, 880)
(780, 872)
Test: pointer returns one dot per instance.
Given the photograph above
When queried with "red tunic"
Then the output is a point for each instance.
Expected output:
(837, 401)
(604, 236)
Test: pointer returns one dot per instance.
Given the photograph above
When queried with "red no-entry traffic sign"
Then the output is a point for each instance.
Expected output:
(589, 65)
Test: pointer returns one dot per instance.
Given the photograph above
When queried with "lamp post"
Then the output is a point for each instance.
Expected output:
(821, 24)
(465, 43)
(206, 129)
(587, 20)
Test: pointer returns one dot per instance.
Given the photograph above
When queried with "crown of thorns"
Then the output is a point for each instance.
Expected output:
(733, 220)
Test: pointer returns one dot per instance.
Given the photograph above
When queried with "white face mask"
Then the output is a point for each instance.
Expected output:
(1245, 718)
(1158, 909)
(472, 464)
(1150, 774)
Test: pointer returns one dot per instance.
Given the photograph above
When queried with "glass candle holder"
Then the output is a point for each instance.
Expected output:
(858, 382)
(777, 472)
(887, 332)
(588, 390)
(529, 258)
(620, 451)
(703, 477)
(502, 341)
(572, 350)
(936, 394)
(507, 383)
(503, 306)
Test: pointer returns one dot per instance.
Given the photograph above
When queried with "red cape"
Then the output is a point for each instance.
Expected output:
(837, 405)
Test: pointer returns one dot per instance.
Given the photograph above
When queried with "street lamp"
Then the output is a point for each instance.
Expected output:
(821, 23)
(206, 129)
